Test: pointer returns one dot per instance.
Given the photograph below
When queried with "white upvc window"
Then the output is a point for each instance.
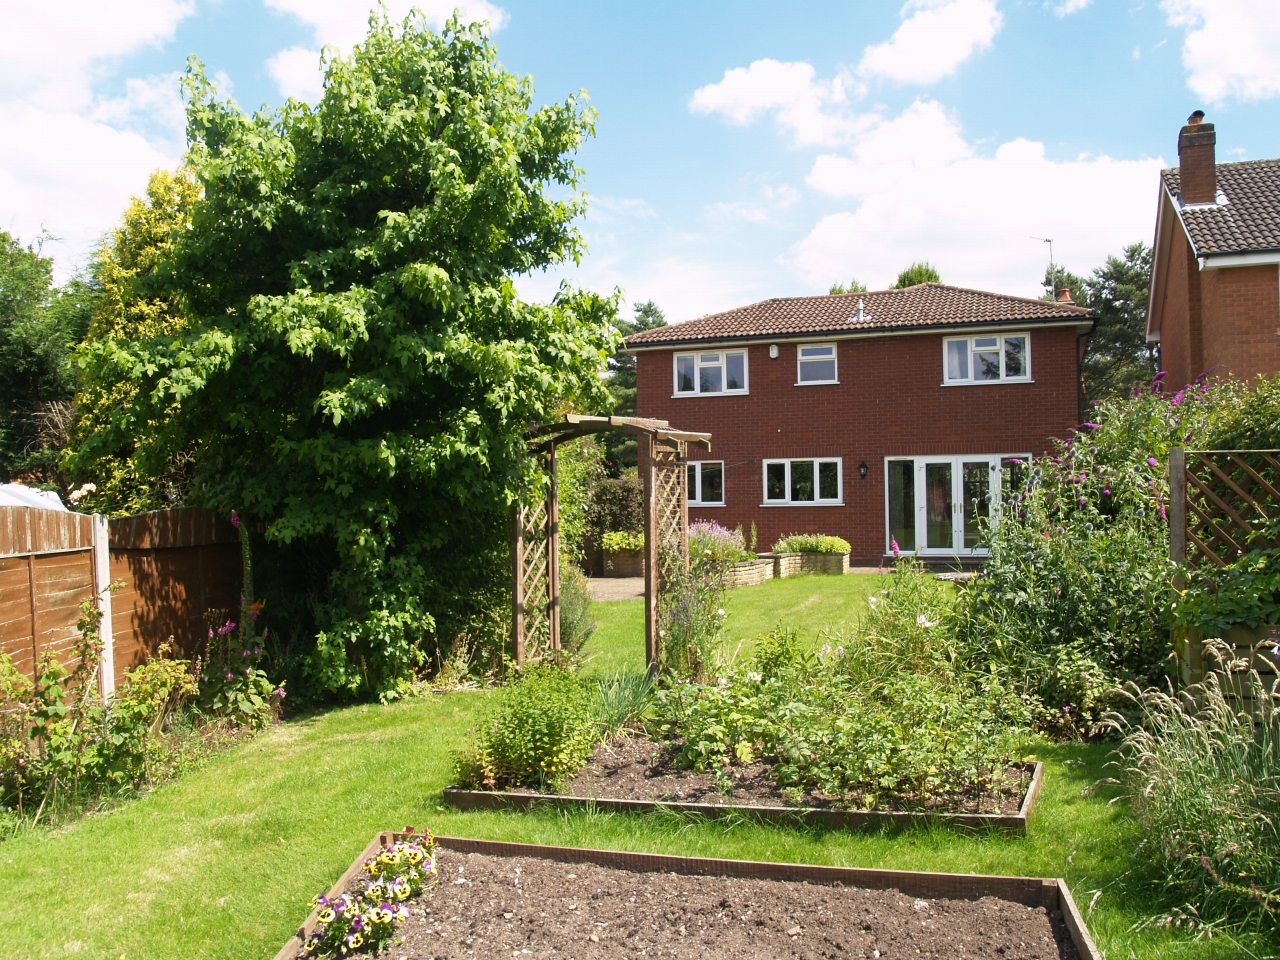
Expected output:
(938, 506)
(718, 371)
(706, 483)
(986, 358)
(815, 363)
(802, 481)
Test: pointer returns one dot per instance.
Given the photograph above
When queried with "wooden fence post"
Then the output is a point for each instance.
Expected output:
(517, 582)
(35, 630)
(646, 464)
(553, 554)
(102, 594)
(1186, 641)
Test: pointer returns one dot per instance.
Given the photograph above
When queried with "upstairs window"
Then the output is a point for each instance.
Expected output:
(816, 363)
(986, 359)
(801, 481)
(724, 371)
(706, 483)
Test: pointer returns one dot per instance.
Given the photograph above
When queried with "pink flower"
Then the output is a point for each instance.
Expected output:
(230, 676)
(1152, 462)
(893, 544)
(235, 519)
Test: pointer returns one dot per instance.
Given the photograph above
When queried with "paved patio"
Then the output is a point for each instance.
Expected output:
(615, 588)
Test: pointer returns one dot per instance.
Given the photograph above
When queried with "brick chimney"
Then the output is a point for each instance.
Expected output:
(1197, 165)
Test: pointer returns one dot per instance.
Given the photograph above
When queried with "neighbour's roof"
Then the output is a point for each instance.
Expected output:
(922, 307)
(1249, 222)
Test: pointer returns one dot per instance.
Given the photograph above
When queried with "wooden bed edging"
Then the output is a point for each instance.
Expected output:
(1052, 894)
(1014, 824)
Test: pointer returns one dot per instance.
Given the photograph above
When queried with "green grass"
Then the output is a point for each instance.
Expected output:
(221, 863)
(809, 603)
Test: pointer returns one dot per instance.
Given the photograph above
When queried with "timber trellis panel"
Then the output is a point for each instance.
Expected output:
(1220, 501)
(535, 527)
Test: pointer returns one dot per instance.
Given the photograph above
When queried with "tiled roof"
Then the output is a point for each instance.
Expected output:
(1249, 222)
(924, 306)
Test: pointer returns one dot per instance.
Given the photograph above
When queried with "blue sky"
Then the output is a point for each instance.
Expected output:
(743, 151)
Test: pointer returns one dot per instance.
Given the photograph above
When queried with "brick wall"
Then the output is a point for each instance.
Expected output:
(1180, 310)
(1242, 321)
(889, 402)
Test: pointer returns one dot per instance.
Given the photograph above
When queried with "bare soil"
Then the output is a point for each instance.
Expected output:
(514, 907)
(640, 769)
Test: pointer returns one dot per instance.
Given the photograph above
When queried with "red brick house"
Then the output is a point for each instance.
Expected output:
(1215, 281)
(897, 415)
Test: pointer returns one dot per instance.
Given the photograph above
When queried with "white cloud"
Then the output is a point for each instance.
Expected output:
(937, 37)
(924, 192)
(774, 201)
(344, 23)
(53, 51)
(811, 109)
(1068, 7)
(69, 161)
(1232, 47)
(68, 174)
(297, 73)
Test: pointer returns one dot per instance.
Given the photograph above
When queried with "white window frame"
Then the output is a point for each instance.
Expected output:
(695, 494)
(997, 495)
(1000, 336)
(816, 502)
(801, 360)
(698, 364)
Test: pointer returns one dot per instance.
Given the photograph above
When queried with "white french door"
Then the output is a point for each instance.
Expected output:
(936, 506)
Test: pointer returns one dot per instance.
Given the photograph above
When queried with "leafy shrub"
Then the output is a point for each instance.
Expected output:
(691, 612)
(233, 684)
(577, 621)
(1204, 781)
(811, 543)
(622, 700)
(616, 541)
(367, 918)
(708, 539)
(542, 729)
(616, 505)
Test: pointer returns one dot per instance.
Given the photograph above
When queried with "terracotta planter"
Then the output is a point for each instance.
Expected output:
(624, 563)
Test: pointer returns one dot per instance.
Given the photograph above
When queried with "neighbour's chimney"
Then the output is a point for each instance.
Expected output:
(1064, 295)
(1197, 165)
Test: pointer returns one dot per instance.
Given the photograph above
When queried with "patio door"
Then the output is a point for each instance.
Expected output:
(937, 506)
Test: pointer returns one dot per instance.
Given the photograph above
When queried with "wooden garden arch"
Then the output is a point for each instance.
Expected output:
(535, 528)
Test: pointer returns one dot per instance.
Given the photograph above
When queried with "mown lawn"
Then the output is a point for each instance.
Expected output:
(222, 862)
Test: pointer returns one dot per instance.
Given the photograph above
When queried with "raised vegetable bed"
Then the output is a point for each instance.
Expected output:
(502, 899)
(635, 777)
(789, 564)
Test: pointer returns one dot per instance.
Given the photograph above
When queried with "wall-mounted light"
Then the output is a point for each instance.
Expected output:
(862, 469)
(773, 351)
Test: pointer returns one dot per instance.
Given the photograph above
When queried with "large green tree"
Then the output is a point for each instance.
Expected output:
(620, 449)
(358, 372)
(1117, 355)
(922, 271)
(39, 323)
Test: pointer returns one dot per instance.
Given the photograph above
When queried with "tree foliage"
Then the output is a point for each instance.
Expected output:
(38, 324)
(922, 271)
(358, 373)
(1117, 356)
(853, 286)
(114, 437)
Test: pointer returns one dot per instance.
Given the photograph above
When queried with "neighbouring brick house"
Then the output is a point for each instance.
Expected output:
(1215, 283)
(892, 415)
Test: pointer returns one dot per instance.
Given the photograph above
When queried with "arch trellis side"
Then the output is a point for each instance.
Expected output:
(535, 527)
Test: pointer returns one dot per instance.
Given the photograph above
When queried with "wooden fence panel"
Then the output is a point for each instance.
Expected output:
(62, 580)
(180, 569)
(15, 614)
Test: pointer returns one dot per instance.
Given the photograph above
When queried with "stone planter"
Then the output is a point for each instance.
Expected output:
(824, 563)
(624, 563)
(748, 573)
(789, 564)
